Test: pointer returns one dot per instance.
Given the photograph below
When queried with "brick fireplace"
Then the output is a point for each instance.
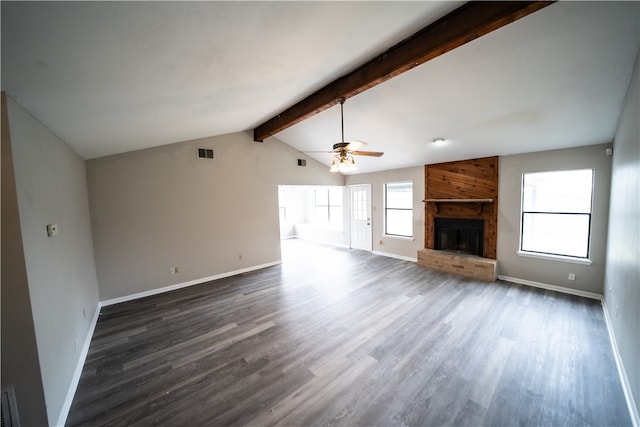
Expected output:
(461, 217)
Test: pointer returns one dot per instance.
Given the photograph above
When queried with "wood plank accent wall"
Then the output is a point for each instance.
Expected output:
(466, 179)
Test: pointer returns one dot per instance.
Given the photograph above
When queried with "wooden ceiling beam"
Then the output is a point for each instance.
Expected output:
(467, 23)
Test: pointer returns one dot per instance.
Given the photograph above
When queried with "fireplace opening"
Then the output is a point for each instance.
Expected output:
(459, 235)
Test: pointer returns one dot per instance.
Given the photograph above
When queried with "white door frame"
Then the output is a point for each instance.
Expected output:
(367, 243)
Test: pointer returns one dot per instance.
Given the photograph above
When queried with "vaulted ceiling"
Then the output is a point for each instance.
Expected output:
(111, 77)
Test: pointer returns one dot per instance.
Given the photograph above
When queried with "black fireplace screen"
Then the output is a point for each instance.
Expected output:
(459, 235)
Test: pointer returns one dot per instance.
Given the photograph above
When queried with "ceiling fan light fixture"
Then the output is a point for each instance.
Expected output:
(347, 165)
(334, 164)
(343, 163)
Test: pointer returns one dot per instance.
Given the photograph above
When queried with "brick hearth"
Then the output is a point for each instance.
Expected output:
(479, 268)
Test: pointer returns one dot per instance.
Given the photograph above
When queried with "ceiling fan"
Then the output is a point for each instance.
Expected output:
(343, 160)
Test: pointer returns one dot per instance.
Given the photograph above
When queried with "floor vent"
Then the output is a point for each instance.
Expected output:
(205, 153)
(9, 413)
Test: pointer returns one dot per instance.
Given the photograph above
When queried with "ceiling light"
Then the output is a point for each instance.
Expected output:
(334, 165)
(439, 141)
(343, 162)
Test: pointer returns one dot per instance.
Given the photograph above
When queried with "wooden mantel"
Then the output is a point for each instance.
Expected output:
(479, 203)
(459, 200)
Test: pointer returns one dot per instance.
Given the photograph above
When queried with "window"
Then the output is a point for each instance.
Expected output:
(398, 218)
(328, 206)
(556, 212)
(359, 211)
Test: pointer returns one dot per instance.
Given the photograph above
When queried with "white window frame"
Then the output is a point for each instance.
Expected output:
(387, 208)
(338, 223)
(556, 256)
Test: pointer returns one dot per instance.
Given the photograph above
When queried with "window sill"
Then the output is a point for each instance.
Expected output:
(391, 236)
(582, 261)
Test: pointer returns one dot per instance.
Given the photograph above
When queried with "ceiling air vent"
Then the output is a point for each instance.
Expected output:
(205, 153)
(302, 162)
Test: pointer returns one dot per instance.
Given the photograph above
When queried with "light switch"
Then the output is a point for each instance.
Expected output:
(52, 229)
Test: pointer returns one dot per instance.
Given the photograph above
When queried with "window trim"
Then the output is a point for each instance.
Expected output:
(386, 208)
(328, 207)
(549, 255)
(399, 237)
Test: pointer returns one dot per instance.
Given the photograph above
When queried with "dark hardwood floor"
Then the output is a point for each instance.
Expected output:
(343, 337)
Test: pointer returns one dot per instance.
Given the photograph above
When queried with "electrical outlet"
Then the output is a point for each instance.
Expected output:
(52, 230)
(174, 270)
(572, 276)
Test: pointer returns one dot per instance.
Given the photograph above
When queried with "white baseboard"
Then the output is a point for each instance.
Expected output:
(556, 288)
(75, 380)
(185, 284)
(624, 379)
(390, 255)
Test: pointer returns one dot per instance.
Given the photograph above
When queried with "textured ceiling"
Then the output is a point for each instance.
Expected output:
(110, 77)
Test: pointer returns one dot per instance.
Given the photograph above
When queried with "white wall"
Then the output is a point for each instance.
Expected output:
(163, 207)
(51, 188)
(20, 365)
(588, 278)
(622, 278)
(404, 248)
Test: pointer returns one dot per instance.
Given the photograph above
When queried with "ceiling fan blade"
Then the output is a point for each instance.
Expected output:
(367, 153)
(355, 145)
